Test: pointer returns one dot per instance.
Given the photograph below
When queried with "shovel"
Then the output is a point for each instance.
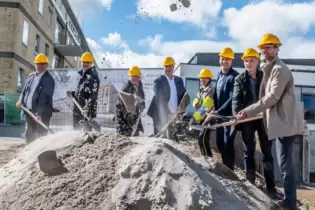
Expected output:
(34, 117)
(91, 122)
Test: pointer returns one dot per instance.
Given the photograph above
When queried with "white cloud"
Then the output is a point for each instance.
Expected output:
(86, 8)
(114, 40)
(284, 19)
(199, 13)
(245, 26)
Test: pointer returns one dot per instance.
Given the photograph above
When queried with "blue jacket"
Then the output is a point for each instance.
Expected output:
(223, 102)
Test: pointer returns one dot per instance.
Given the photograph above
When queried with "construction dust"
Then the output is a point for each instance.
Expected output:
(115, 172)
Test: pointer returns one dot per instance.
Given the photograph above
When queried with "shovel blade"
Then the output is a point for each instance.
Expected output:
(95, 125)
(48, 161)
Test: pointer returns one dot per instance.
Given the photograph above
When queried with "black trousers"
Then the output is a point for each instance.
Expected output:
(204, 142)
(34, 130)
(77, 125)
(248, 133)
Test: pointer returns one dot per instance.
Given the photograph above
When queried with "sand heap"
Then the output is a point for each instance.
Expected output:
(116, 172)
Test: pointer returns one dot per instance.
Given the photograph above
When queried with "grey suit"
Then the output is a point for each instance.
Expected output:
(42, 104)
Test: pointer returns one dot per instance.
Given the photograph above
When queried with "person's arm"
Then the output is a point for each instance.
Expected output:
(47, 92)
(206, 106)
(237, 97)
(22, 95)
(228, 102)
(279, 80)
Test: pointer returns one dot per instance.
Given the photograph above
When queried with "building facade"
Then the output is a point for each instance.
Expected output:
(29, 27)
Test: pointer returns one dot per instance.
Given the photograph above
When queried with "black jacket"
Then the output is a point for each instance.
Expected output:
(42, 100)
(124, 119)
(223, 103)
(87, 92)
(158, 109)
(242, 96)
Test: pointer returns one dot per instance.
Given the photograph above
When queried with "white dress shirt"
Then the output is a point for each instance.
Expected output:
(33, 86)
(172, 103)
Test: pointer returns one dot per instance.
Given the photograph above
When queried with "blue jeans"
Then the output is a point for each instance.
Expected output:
(225, 144)
(284, 147)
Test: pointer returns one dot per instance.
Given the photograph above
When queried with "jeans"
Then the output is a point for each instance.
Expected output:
(225, 144)
(248, 135)
(284, 147)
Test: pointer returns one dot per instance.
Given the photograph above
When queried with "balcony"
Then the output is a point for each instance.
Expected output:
(65, 44)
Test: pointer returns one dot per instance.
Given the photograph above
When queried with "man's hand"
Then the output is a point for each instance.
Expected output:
(38, 118)
(241, 115)
(69, 93)
(18, 104)
(214, 112)
(84, 111)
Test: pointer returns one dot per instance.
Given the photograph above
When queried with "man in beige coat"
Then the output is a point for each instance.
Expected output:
(281, 116)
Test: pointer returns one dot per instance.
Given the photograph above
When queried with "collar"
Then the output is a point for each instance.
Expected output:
(268, 66)
(169, 78)
(226, 73)
(40, 74)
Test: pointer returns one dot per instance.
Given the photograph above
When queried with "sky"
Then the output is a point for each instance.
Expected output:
(124, 33)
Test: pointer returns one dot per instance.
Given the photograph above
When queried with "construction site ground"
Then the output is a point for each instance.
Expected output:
(9, 147)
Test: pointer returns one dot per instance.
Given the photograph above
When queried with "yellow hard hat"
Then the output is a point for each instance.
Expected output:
(41, 58)
(227, 53)
(205, 73)
(134, 71)
(87, 57)
(270, 39)
(168, 61)
(250, 52)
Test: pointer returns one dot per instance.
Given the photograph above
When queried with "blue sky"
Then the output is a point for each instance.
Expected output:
(125, 34)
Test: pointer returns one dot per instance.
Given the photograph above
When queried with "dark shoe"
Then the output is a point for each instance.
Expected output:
(274, 194)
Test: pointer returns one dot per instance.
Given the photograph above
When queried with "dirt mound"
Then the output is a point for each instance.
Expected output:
(115, 172)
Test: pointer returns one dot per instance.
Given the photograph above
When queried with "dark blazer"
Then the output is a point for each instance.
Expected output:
(242, 96)
(158, 109)
(42, 101)
(223, 104)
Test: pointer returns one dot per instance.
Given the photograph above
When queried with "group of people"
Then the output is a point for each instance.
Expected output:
(266, 89)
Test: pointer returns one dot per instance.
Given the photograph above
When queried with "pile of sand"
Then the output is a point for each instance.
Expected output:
(116, 172)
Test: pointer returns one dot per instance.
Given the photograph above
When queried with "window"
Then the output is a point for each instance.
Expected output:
(50, 16)
(41, 7)
(56, 61)
(47, 50)
(21, 77)
(309, 107)
(37, 43)
(58, 32)
(26, 28)
(192, 87)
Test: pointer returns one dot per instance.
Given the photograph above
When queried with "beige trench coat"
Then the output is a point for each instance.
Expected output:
(277, 102)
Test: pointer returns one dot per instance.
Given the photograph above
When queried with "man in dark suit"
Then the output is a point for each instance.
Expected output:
(37, 96)
(168, 93)
(246, 93)
(222, 97)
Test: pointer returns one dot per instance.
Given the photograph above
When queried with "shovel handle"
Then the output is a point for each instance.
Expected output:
(34, 117)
